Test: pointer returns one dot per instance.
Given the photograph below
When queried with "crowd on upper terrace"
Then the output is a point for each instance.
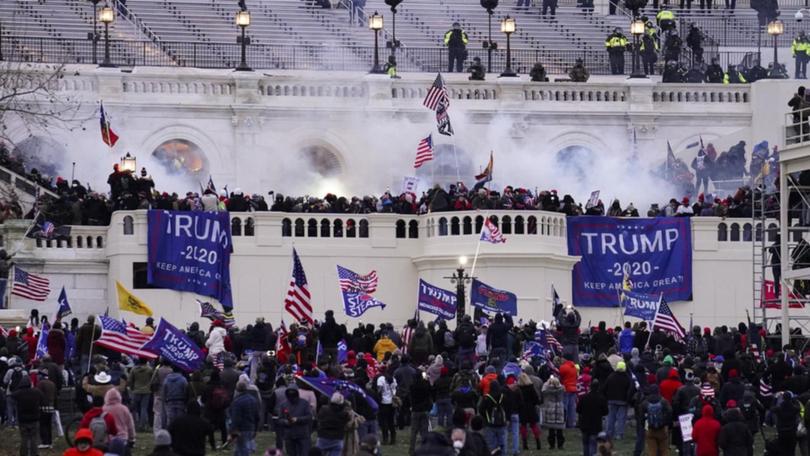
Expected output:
(731, 195)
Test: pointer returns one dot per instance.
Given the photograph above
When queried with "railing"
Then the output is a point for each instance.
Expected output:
(797, 127)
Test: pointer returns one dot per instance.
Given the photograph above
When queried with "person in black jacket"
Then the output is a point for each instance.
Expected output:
(601, 341)
(786, 413)
(29, 401)
(330, 334)
(591, 408)
(735, 438)
(733, 389)
(332, 420)
(617, 389)
(186, 443)
(421, 403)
(498, 337)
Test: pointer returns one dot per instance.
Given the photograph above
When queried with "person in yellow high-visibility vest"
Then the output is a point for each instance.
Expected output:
(665, 19)
(456, 41)
(801, 52)
(616, 45)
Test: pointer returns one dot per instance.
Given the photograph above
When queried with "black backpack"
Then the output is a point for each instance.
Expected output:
(497, 416)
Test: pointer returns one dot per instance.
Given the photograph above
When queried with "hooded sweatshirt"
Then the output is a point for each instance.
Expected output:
(705, 433)
(216, 341)
(124, 423)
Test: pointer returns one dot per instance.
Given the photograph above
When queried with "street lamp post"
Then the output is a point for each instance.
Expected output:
(243, 21)
(106, 16)
(637, 30)
(375, 22)
(93, 36)
(489, 45)
(460, 279)
(508, 27)
(776, 28)
(129, 163)
(394, 43)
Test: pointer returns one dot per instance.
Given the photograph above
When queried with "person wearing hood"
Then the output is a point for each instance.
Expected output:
(124, 423)
(29, 401)
(333, 419)
(95, 411)
(553, 412)
(705, 433)
(657, 414)
(618, 389)
(186, 443)
(295, 416)
(163, 444)
(496, 420)
(216, 340)
(329, 334)
(421, 345)
(175, 394)
(787, 417)
(83, 445)
(670, 385)
(735, 438)
(733, 389)
(12, 381)
(529, 403)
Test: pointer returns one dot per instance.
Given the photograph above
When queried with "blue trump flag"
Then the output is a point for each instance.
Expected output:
(64, 306)
(191, 251)
(437, 301)
(342, 351)
(491, 299)
(327, 386)
(656, 253)
(175, 346)
(356, 291)
(42, 344)
(640, 305)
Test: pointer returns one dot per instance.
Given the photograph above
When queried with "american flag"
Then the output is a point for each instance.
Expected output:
(207, 310)
(3, 331)
(666, 321)
(424, 151)
(48, 229)
(128, 339)
(351, 281)
(532, 349)
(491, 233)
(765, 389)
(547, 339)
(30, 286)
(437, 94)
(299, 302)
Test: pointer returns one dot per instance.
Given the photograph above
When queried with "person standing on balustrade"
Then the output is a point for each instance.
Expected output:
(456, 41)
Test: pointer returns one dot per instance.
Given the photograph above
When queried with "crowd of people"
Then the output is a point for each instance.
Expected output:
(480, 388)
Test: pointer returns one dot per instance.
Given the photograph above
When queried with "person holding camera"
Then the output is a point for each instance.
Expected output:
(456, 41)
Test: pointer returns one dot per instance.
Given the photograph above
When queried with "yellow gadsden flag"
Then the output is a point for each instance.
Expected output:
(129, 302)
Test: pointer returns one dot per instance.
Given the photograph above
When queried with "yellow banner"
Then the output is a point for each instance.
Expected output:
(131, 303)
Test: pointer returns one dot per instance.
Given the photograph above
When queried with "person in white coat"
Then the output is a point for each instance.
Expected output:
(216, 340)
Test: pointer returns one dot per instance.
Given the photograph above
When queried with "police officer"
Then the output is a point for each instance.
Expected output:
(714, 72)
(801, 52)
(391, 67)
(672, 47)
(477, 70)
(456, 41)
(694, 39)
(649, 50)
(616, 45)
(665, 19)
(733, 76)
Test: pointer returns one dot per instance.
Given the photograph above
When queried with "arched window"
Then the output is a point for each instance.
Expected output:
(312, 228)
(735, 232)
(479, 222)
(89, 242)
(495, 221)
(337, 228)
(79, 241)
(236, 226)
(531, 225)
(351, 228)
(467, 225)
(180, 156)
(363, 228)
(286, 227)
(773, 230)
(758, 232)
(129, 228)
(250, 227)
(325, 228)
(442, 226)
(299, 227)
(747, 232)
(519, 228)
(506, 225)
(413, 229)
(722, 232)
(68, 242)
(455, 229)
(100, 242)
(400, 229)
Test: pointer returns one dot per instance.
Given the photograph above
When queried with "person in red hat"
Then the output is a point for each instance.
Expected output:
(705, 432)
(684, 210)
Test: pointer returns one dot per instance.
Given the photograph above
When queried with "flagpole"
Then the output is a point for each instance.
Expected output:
(478, 247)
(7, 292)
(652, 326)
(92, 337)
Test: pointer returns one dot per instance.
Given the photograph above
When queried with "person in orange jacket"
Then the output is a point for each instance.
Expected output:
(568, 377)
(83, 445)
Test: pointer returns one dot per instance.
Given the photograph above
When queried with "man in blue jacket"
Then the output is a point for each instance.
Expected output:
(244, 414)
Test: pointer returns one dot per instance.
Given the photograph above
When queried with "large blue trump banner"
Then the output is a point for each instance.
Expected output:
(437, 301)
(191, 251)
(491, 299)
(656, 255)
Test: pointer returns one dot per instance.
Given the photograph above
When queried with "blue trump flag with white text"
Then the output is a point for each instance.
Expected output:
(176, 347)
(491, 299)
(640, 305)
(655, 253)
(191, 251)
(437, 301)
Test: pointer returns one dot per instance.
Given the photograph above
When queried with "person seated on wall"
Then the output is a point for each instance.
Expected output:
(538, 73)
(477, 70)
(578, 73)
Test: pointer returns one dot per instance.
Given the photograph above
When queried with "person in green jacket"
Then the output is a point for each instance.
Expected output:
(140, 381)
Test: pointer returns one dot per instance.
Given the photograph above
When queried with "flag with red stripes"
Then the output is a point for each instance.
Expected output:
(127, 339)
(299, 302)
(424, 151)
(666, 321)
(30, 286)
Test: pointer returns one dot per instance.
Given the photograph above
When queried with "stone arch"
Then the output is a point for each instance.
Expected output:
(44, 154)
(212, 150)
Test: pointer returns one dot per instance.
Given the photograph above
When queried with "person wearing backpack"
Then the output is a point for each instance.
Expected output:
(11, 381)
(29, 402)
(657, 414)
(101, 424)
(175, 395)
(495, 420)
(591, 408)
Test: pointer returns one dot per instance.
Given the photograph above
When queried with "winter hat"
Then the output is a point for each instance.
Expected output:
(336, 398)
(668, 361)
(732, 373)
(163, 438)
(706, 390)
(510, 380)
(490, 370)
(621, 366)
(719, 359)
(731, 404)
